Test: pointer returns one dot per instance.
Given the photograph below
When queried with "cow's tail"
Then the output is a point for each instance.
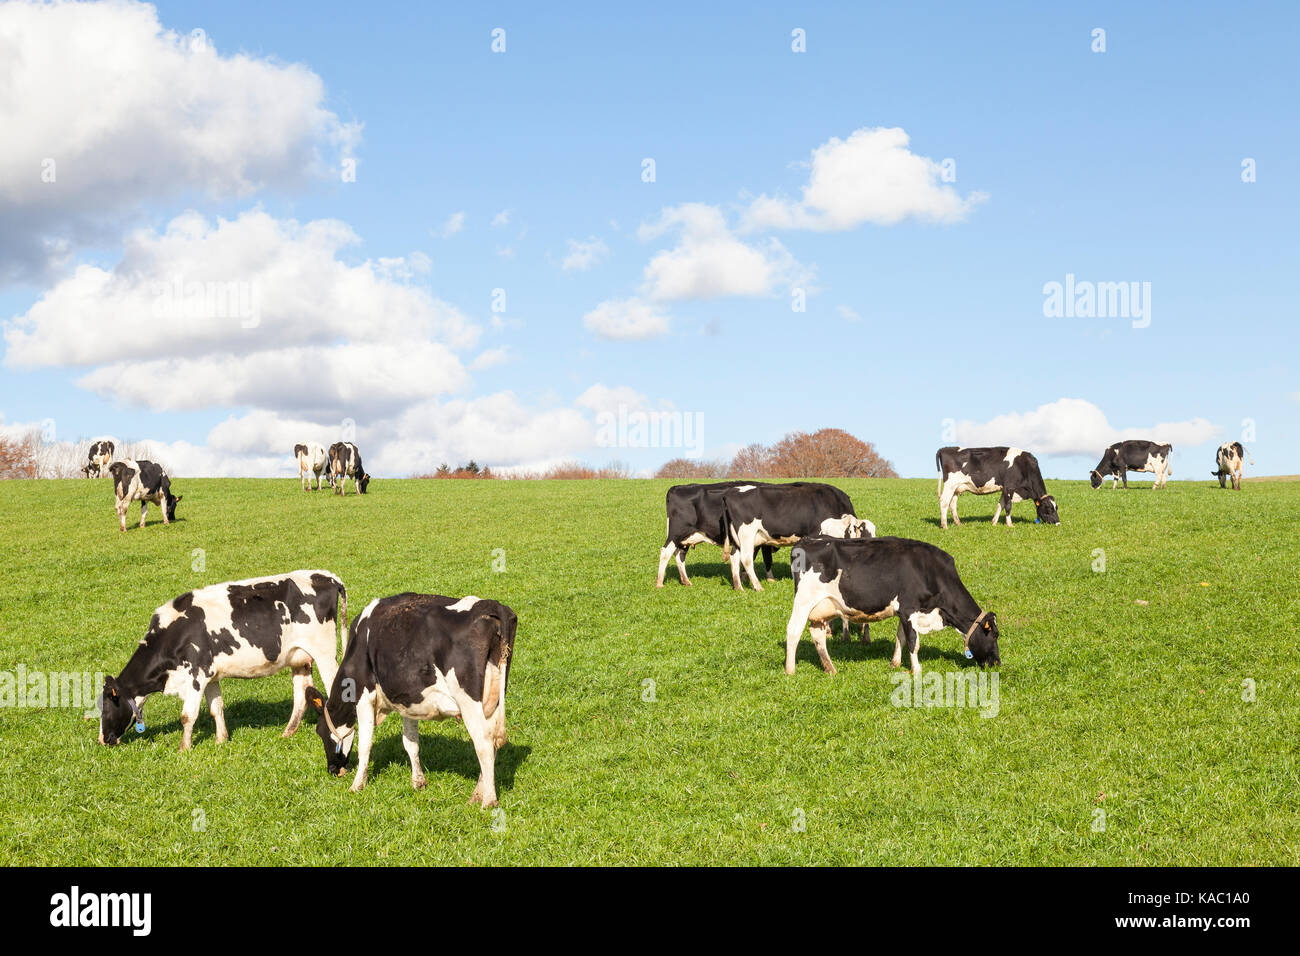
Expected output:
(1248, 458)
(343, 618)
(938, 464)
(500, 648)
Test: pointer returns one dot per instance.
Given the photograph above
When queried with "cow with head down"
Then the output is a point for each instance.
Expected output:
(1229, 463)
(426, 657)
(345, 463)
(100, 457)
(1133, 455)
(251, 628)
(1012, 472)
(142, 481)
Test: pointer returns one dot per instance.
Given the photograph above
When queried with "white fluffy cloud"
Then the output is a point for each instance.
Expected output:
(582, 255)
(871, 177)
(103, 111)
(709, 261)
(622, 319)
(1073, 426)
(236, 287)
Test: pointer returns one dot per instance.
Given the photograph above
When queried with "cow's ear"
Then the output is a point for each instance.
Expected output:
(988, 625)
(110, 687)
(314, 698)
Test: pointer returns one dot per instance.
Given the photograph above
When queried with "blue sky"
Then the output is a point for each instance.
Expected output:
(1115, 166)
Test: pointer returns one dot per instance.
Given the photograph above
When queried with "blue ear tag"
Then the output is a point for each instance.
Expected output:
(338, 746)
(1038, 521)
(139, 726)
(969, 655)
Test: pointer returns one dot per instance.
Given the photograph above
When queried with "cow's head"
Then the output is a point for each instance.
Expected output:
(1046, 506)
(172, 502)
(85, 470)
(1096, 478)
(117, 712)
(336, 753)
(365, 481)
(847, 526)
(983, 642)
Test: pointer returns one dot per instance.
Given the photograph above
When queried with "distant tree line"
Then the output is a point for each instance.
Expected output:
(827, 453)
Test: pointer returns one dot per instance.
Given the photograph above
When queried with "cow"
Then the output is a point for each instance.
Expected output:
(1228, 460)
(99, 458)
(695, 517)
(780, 515)
(312, 460)
(874, 579)
(983, 471)
(427, 657)
(1133, 455)
(345, 462)
(251, 628)
(142, 481)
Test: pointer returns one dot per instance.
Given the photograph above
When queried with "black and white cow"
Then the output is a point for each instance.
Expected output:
(426, 657)
(695, 514)
(142, 481)
(1229, 462)
(1133, 455)
(251, 628)
(984, 471)
(100, 457)
(779, 515)
(875, 579)
(345, 462)
(312, 460)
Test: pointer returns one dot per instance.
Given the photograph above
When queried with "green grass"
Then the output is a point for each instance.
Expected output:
(1098, 695)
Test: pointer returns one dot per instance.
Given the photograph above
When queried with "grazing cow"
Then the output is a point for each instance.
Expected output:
(428, 658)
(100, 457)
(984, 471)
(142, 481)
(1133, 455)
(312, 460)
(780, 515)
(881, 578)
(695, 517)
(345, 462)
(1229, 461)
(250, 628)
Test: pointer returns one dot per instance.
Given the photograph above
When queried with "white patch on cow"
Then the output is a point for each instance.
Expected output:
(926, 622)
(167, 614)
(366, 613)
(696, 537)
(744, 487)
(464, 604)
(1012, 454)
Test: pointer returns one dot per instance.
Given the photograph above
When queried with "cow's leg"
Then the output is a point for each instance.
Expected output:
(1125, 475)
(998, 513)
(217, 708)
(947, 500)
(665, 555)
(1236, 480)
(366, 723)
(121, 512)
(866, 632)
(955, 519)
(767, 561)
(485, 792)
(909, 638)
(411, 744)
(819, 630)
(301, 678)
(143, 508)
(805, 599)
(190, 703)
(1006, 503)
(733, 558)
(681, 565)
(747, 558)
(897, 659)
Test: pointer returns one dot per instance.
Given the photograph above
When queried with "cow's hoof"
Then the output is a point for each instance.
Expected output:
(830, 669)
(289, 732)
(789, 671)
(687, 583)
(659, 587)
(418, 783)
(356, 788)
(341, 772)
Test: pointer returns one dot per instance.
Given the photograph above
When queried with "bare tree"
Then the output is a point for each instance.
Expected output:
(828, 453)
(752, 461)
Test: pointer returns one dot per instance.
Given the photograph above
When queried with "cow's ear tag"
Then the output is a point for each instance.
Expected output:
(338, 746)
(969, 655)
(1038, 521)
(139, 726)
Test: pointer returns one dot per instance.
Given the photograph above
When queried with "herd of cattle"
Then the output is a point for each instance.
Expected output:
(430, 657)
(843, 570)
